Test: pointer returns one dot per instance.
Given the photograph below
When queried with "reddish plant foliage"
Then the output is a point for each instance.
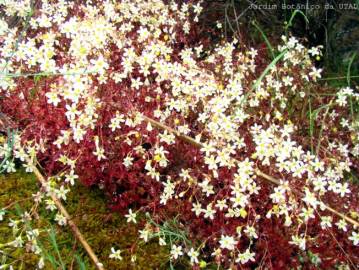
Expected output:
(133, 188)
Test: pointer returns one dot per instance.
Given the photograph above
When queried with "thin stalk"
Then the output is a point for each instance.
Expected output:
(77, 233)
(338, 78)
(348, 81)
(322, 127)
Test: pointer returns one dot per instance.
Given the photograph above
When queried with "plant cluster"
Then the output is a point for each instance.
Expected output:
(85, 81)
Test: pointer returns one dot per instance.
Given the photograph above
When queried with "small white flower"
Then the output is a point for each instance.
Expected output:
(355, 238)
(221, 204)
(298, 241)
(115, 254)
(127, 161)
(2, 214)
(53, 98)
(197, 208)
(245, 257)
(161, 241)
(193, 255)
(18, 242)
(61, 220)
(176, 251)
(209, 212)
(310, 199)
(9, 166)
(343, 189)
(131, 217)
(307, 213)
(251, 232)
(144, 234)
(315, 73)
(99, 153)
(61, 193)
(41, 263)
(342, 224)
(71, 177)
(50, 205)
(228, 242)
(326, 222)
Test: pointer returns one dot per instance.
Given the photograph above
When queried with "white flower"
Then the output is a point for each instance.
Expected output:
(41, 263)
(206, 187)
(166, 137)
(127, 161)
(18, 242)
(160, 157)
(209, 212)
(144, 234)
(2, 214)
(355, 238)
(314, 51)
(343, 189)
(227, 242)
(116, 121)
(193, 255)
(50, 205)
(211, 162)
(197, 208)
(9, 166)
(99, 153)
(208, 148)
(71, 177)
(221, 204)
(341, 100)
(342, 224)
(315, 73)
(53, 98)
(99, 65)
(251, 232)
(162, 241)
(310, 199)
(279, 195)
(115, 254)
(28, 167)
(131, 217)
(61, 220)
(136, 83)
(176, 251)
(245, 257)
(61, 193)
(298, 241)
(307, 213)
(326, 222)
(287, 81)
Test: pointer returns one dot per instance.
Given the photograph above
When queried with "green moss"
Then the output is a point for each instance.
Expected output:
(100, 227)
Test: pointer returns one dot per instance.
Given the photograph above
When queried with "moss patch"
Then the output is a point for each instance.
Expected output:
(101, 229)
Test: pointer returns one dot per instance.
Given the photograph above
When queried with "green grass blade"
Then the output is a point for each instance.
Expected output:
(270, 48)
(348, 81)
(52, 237)
(289, 24)
(322, 125)
(349, 67)
(268, 68)
(80, 262)
(311, 124)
